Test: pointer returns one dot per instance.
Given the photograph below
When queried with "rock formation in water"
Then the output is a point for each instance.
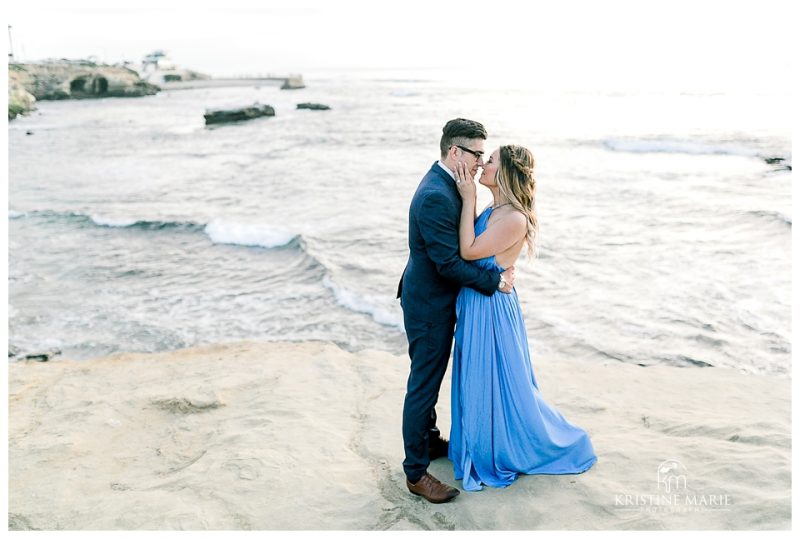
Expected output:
(237, 115)
(313, 106)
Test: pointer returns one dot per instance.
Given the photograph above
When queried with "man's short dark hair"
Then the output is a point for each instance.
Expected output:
(460, 131)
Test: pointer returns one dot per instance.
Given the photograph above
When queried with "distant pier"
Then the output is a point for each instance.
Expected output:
(290, 82)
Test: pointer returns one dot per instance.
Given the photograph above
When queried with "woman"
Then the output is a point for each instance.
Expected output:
(501, 425)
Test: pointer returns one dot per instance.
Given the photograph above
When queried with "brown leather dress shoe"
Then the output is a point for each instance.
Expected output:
(432, 489)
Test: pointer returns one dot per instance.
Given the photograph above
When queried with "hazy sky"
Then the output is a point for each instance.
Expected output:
(603, 44)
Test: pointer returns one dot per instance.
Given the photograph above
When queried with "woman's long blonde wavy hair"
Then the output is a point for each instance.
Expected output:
(516, 182)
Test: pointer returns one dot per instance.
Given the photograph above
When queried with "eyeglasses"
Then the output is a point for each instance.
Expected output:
(478, 155)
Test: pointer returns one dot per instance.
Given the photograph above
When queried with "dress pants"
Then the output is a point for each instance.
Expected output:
(429, 347)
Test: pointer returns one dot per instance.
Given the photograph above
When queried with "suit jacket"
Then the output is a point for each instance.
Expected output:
(435, 272)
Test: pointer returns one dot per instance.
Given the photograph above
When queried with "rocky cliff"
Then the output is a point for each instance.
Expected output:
(30, 82)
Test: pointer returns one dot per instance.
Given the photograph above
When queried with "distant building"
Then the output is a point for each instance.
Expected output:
(158, 68)
(157, 60)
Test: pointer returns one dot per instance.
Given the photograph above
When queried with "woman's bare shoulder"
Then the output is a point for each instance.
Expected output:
(513, 218)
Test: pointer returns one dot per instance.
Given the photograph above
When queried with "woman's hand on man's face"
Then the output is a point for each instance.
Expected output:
(465, 182)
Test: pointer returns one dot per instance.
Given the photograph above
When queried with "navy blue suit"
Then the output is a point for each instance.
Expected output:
(427, 290)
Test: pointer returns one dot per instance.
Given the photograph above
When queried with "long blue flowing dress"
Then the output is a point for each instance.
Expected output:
(501, 426)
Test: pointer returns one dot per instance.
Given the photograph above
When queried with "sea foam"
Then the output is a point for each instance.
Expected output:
(677, 146)
(112, 221)
(255, 235)
(362, 303)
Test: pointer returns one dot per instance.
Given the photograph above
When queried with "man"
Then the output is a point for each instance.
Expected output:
(427, 290)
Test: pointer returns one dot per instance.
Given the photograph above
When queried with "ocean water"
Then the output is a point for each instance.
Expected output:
(665, 233)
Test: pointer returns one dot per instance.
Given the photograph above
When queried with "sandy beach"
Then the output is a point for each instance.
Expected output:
(272, 435)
